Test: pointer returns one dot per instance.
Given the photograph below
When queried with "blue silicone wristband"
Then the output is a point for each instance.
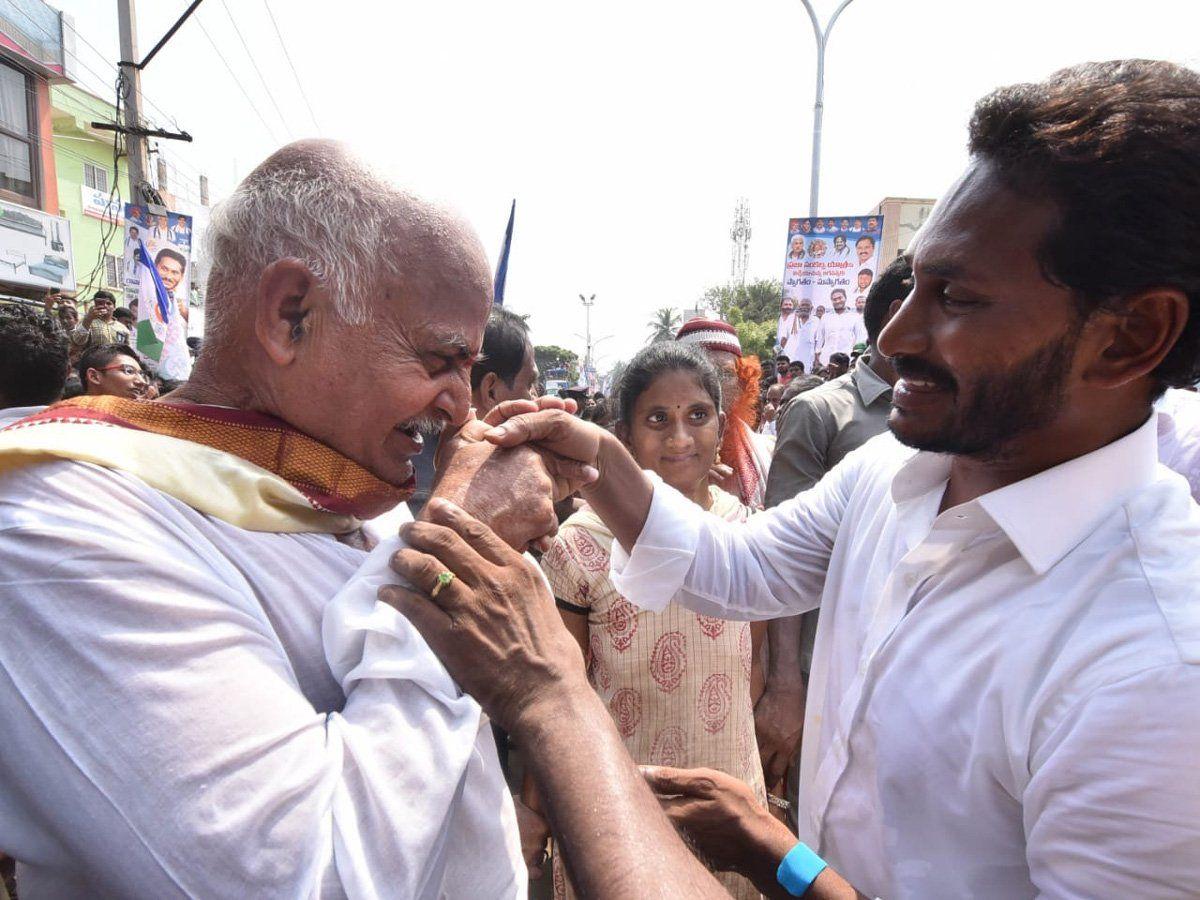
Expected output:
(799, 870)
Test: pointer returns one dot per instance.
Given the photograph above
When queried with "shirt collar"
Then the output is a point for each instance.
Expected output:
(1049, 514)
(870, 386)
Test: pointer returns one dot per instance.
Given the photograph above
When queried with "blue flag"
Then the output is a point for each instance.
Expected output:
(502, 268)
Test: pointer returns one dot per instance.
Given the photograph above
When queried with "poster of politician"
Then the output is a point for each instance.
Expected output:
(157, 277)
(829, 266)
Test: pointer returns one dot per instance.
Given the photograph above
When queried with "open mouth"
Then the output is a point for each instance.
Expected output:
(412, 431)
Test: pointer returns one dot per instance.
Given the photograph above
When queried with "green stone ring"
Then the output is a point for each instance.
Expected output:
(443, 579)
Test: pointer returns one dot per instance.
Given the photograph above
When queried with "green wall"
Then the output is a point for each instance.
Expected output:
(74, 142)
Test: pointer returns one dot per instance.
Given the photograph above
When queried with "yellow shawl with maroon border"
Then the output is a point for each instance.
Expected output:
(245, 468)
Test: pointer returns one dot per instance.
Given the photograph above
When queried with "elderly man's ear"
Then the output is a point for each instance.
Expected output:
(288, 294)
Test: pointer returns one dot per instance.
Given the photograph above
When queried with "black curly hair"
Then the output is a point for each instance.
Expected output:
(1116, 145)
(33, 358)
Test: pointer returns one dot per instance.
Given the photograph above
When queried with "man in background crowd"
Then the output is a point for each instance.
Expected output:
(771, 409)
(838, 365)
(100, 327)
(820, 428)
(506, 369)
(803, 335)
(124, 315)
(840, 329)
(33, 363)
(781, 368)
(114, 371)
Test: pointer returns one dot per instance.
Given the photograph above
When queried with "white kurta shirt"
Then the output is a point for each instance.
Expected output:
(1005, 697)
(840, 332)
(172, 723)
(803, 338)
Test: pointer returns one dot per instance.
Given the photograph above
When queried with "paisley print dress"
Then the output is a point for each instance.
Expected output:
(676, 683)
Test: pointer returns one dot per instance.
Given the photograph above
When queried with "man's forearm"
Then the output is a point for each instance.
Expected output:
(621, 496)
(615, 840)
(768, 843)
(784, 670)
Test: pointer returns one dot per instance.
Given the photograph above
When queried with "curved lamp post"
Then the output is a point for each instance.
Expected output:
(822, 36)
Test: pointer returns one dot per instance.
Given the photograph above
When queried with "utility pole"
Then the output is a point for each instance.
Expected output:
(135, 143)
(740, 235)
(822, 36)
(588, 303)
(135, 132)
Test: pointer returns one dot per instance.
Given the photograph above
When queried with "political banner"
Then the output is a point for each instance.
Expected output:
(829, 266)
(157, 281)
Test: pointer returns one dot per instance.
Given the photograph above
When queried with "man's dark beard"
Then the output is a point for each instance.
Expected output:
(1004, 405)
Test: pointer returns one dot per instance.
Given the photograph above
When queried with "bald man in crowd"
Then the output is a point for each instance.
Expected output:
(175, 722)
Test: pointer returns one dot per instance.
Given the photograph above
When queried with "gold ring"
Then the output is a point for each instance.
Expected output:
(443, 579)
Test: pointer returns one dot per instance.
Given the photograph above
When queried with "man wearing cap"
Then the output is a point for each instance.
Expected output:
(743, 450)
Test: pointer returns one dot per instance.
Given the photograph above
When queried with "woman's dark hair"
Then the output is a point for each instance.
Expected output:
(656, 360)
(1116, 145)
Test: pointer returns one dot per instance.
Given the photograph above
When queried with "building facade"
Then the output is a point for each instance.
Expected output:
(35, 244)
(902, 217)
(90, 189)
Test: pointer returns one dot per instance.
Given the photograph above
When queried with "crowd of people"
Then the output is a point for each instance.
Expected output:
(356, 611)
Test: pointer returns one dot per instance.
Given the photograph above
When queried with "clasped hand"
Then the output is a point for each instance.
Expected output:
(511, 488)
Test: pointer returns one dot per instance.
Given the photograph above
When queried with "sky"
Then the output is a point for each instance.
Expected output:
(626, 130)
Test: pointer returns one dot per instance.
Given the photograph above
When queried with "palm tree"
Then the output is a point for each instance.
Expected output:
(664, 325)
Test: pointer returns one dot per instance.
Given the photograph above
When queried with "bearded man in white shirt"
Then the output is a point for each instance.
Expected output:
(841, 329)
(1003, 696)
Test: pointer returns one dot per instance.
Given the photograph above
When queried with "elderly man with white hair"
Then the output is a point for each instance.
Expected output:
(175, 722)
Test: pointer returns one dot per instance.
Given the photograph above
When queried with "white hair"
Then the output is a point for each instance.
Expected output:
(311, 202)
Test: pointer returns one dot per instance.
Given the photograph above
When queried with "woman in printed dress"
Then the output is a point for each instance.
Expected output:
(679, 685)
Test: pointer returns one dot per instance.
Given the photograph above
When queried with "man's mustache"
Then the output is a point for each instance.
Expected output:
(427, 425)
(915, 368)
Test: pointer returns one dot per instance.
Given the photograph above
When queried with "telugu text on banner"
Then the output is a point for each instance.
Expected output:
(829, 266)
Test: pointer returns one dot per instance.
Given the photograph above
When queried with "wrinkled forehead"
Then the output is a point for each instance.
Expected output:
(723, 360)
(438, 284)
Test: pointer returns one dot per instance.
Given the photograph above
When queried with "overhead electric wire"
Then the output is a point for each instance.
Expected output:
(236, 80)
(257, 70)
(103, 79)
(295, 74)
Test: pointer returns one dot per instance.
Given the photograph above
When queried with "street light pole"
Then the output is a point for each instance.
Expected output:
(822, 36)
(588, 303)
